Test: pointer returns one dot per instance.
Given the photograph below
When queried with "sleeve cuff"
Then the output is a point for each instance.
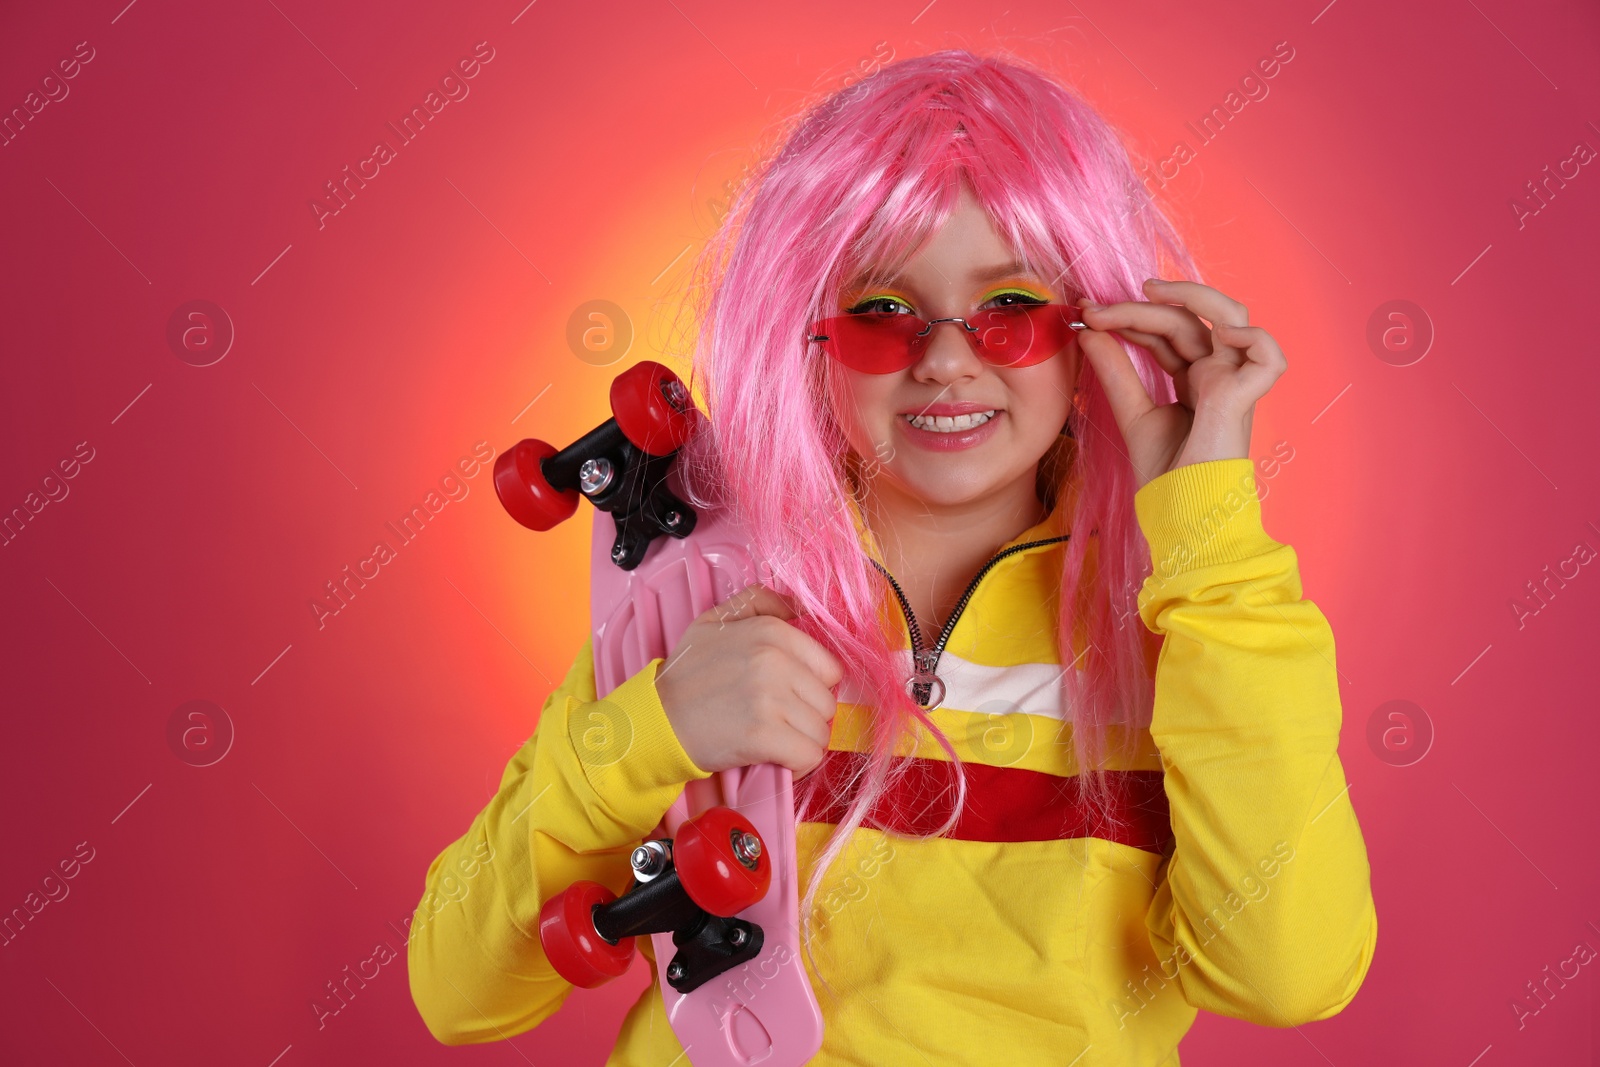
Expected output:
(1202, 514)
(626, 741)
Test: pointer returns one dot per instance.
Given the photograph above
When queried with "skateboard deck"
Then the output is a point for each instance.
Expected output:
(763, 1011)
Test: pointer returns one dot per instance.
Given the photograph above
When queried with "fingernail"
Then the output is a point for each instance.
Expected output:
(1089, 305)
(1158, 281)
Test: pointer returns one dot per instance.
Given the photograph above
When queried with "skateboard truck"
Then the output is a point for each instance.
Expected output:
(620, 465)
(690, 886)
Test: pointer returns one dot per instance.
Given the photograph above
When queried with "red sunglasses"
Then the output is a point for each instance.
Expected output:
(885, 342)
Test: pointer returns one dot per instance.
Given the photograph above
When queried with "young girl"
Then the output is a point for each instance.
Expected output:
(1065, 732)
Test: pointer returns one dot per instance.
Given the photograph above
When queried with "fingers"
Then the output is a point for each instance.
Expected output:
(757, 601)
(749, 602)
(798, 740)
(827, 668)
(811, 730)
(1126, 393)
(809, 653)
(819, 699)
(1169, 359)
(1215, 307)
(801, 768)
(1264, 360)
(799, 726)
(1179, 327)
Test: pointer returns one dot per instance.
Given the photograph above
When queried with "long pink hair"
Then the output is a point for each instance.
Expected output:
(860, 181)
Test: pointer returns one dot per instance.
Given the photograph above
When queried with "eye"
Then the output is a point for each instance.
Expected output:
(1009, 298)
(880, 305)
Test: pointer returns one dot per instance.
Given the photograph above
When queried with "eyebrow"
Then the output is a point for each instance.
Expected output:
(988, 274)
(1005, 270)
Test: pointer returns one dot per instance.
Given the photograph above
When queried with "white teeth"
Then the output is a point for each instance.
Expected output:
(949, 423)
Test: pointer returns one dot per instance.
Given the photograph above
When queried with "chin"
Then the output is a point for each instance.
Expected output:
(951, 486)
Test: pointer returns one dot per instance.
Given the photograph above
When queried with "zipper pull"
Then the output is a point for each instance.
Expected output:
(927, 688)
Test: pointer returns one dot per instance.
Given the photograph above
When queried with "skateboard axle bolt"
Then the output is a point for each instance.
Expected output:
(737, 936)
(675, 393)
(649, 860)
(674, 970)
(746, 847)
(673, 519)
(595, 475)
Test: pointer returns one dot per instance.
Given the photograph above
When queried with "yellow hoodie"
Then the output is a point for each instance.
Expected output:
(1236, 879)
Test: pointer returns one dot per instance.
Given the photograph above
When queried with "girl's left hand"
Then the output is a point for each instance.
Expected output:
(1219, 372)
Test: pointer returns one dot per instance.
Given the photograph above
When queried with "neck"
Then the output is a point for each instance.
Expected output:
(935, 550)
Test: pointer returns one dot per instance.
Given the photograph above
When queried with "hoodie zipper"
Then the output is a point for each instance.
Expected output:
(925, 661)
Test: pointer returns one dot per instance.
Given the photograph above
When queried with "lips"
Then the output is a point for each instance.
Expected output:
(960, 432)
(951, 423)
(950, 407)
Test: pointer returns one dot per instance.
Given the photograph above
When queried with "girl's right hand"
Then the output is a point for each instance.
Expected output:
(745, 687)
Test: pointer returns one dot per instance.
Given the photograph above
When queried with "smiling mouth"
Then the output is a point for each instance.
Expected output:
(950, 423)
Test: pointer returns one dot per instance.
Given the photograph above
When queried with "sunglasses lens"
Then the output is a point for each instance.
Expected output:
(872, 344)
(1024, 335)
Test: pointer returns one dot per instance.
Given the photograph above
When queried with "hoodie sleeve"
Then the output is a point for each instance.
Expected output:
(1265, 904)
(592, 781)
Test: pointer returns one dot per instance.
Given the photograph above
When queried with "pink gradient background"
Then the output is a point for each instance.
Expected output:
(376, 351)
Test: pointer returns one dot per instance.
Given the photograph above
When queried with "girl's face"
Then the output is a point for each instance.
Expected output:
(951, 429)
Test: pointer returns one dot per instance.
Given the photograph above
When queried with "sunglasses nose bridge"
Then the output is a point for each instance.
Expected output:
(924, 339)
(965, 325)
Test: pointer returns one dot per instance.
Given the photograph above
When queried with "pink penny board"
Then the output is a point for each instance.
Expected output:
(763, 1011)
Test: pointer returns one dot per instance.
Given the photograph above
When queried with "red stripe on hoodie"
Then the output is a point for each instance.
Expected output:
(1003, 803)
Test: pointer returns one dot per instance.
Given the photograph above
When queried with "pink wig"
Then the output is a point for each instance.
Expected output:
(861, 180)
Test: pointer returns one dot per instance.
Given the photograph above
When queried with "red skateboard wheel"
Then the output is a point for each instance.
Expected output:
(574, 949)
(652, 408)
(525, 493)
(722, 862)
